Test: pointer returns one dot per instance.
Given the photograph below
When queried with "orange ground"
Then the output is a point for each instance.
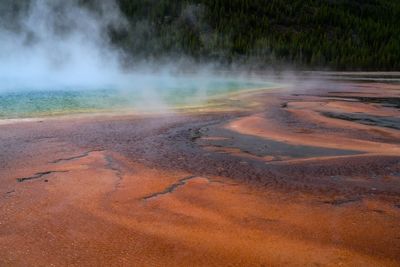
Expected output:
(90, 194)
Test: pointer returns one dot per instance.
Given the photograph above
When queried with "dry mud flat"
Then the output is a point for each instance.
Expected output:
(301, 179)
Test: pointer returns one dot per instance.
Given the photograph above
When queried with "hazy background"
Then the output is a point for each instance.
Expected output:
(57, 56)
(47, 43)
(143, 53)
(50, 44)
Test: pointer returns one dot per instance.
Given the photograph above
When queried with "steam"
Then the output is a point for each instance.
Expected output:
(64, 45)
(59, 43)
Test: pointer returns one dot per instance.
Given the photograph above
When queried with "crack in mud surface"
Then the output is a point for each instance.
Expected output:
(38, 175)
(76, 157)
(339, 202)
(112, 165)
(172, 187)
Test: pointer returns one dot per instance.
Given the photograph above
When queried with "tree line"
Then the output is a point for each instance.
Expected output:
(340, 34)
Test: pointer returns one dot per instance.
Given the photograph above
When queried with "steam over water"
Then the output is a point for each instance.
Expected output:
(56, 58)
(185, 92)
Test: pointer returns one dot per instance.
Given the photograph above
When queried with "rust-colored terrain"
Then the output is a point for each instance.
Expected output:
(297, 179)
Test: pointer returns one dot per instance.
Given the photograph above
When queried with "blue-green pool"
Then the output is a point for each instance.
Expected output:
(157, 95)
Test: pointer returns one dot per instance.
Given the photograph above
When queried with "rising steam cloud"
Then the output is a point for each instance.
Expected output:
(55, 42)
(64, 45)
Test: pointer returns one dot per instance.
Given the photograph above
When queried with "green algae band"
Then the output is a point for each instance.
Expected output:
(28, 103)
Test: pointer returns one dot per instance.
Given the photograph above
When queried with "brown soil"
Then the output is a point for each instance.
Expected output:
(281, 185)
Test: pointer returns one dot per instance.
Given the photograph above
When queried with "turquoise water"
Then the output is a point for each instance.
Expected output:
(28, 103)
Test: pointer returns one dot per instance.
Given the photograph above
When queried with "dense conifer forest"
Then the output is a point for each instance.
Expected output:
(340, 34)
(336, 34)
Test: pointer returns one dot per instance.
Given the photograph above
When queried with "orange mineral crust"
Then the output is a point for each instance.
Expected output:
(300, 180)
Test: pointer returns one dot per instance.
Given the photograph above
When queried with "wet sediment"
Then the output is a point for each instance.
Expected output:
(283, 184)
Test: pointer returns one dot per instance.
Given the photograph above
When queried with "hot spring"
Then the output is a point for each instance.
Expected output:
(56, 59)
(150, 93)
